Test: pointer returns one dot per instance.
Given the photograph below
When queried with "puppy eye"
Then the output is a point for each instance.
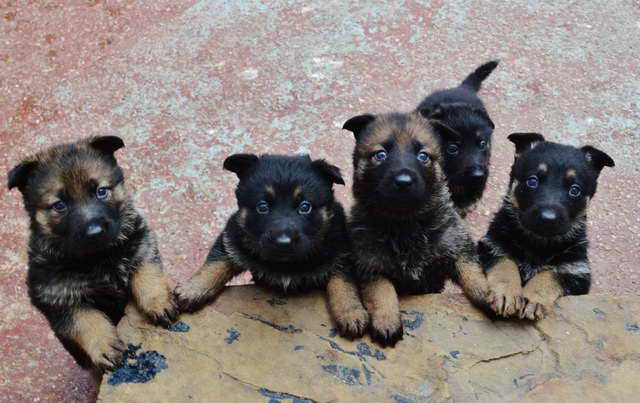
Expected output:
(575, 190)
(482, 144)
(423, 157)
(380, 155)
(102, 193)
(262, 207)
(304, 207)
(59, 206)
(452, 149)
(532, 182)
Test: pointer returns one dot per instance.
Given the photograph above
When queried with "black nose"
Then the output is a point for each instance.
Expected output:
(548, 215)
(283, 240)
(94, 230)
(478, 172)
(403, 180)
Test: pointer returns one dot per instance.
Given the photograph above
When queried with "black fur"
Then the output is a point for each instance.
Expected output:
(543, 227)
(465, 136)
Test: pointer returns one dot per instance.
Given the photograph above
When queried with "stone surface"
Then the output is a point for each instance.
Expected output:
(186, 83)
(252, 346)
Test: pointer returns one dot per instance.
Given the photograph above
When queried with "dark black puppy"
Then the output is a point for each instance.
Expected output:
(289, 232)
(464, 135)
(90, 251)
(536, 247)
(407, 237)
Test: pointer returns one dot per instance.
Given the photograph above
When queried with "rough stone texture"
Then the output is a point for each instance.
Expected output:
(252, 346)
(186, 83)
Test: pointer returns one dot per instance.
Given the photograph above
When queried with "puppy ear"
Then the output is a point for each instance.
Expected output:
(435, 113)
(444, 131)
(485, 115)
(358, 123)
(525, 141)
(107, 145)
(598, 159)
(240, 164)
(19, 175)
(330, 172)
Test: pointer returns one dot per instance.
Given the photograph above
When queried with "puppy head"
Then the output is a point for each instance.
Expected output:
(74, 194)
(395, 161)
(464, 133)
(551, 184)
(286, 203)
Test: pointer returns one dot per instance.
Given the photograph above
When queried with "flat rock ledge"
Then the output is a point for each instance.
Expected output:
(254, 346)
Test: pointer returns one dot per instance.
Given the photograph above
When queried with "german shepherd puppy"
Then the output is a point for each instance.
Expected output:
(407, 237)
(536, 248)
(289, 232)
(90, 251)
(467, 141)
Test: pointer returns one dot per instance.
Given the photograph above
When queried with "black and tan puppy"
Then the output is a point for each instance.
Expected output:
(465, 136)
(289, 232)
(536, 248)
(90, 251)
(407, 237)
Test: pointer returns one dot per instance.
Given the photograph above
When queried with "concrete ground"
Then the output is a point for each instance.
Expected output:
(187, 83)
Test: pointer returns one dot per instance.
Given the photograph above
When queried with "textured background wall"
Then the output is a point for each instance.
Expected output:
(187, 83)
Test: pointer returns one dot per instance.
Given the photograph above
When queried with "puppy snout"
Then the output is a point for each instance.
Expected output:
(283, 240)
(95, 230)
(476, 172)
(548, 215)
(403, 180)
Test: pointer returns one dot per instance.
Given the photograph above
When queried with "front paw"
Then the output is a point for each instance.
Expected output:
(386, 329)
(108, 353)
(160, 310)
(506, 305)
(533, 311)
(191, 297)
(353, 324)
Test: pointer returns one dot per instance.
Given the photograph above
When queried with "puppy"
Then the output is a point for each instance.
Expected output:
(289, 232)
(536, 248)
(407, 237)
(90, 251)
(466, 143)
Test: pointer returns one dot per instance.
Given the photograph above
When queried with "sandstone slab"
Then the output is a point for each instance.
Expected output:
(254, 346)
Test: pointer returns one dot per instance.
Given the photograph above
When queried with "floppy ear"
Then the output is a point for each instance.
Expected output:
(525, 141)
(598, 159)
(19, 175)
(107, 145)
(432, 113)
(240, 164)
(444, 131)
(358, 123)
(330, 172)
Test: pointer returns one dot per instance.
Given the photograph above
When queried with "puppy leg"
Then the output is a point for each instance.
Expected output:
(205, 285)
(152, 295)
(505, 288)
(345, 306)
(94, 333)
(470, 277)
(541, 292)
(381, 300)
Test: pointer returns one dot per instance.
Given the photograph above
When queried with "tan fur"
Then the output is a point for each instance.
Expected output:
(97, 336)
(512, 194)
(151, 291)
(205, 285)
(472, 279)
(345, 306)
(381, 300)
(505, 288)
(541, 292)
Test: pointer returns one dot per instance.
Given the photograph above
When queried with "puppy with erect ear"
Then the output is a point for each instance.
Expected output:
(466, 153)
(90, 252)
(407, 237)
(536, 248)
(289, 232)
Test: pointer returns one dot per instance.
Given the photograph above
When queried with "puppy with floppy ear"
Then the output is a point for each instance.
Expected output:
(407, 237)
(289, 232)
(536, 248)
(90, 252)
(464, 136)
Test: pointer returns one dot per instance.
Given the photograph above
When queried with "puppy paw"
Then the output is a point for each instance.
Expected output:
(353, 324)
(108, 353)
(533, 311)
(506, 305)
(160, 309)
(386, 330)
(191, 297)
